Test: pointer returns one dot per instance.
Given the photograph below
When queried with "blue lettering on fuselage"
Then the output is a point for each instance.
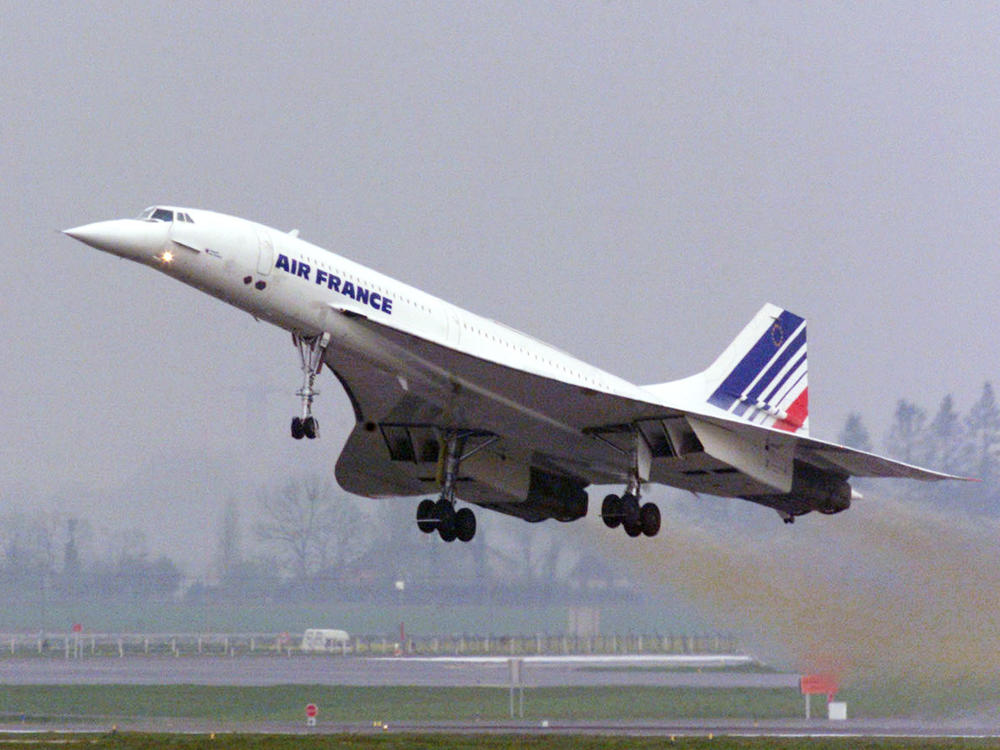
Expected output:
(334, 283)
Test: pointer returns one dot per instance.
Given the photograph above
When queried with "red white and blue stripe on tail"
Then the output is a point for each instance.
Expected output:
(762, 375)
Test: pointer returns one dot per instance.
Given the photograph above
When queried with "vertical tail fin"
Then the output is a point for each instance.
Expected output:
(762, 376)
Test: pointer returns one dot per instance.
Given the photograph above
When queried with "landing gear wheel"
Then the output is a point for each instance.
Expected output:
(630, 510)
(632, 529)
(445, 513)
(426, 518)
(649, 519)
(465, 525)
(297, 429)
(310, 426)
(611, 511)
(447, 530)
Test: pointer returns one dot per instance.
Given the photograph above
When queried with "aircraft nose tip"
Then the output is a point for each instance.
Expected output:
(124, 237)
(77, 233)
(103, 235)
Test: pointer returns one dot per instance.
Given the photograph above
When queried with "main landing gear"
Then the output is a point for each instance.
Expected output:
(449, 523)
(626, 510)
(311, 350)
(441, 515)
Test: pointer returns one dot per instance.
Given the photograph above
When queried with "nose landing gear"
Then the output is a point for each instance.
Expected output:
(311, 350)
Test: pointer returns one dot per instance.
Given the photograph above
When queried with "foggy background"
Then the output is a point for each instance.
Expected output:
(628, 181)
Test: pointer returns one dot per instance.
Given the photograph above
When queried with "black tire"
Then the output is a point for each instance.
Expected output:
(426, 518)
(297, 431)
(632, 529)
(444, 511)
(310, 427)
(611, 511)
(630, 510)
(465, 525)
(649, 519)
(445, 514)
(447, 530)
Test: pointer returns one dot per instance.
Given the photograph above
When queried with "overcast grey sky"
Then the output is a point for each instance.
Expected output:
(629, 181)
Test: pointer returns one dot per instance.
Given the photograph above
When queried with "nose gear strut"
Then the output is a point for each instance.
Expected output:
(311, 350)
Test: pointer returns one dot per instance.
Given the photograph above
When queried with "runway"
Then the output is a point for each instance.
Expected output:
(785, 728)
(449, 671)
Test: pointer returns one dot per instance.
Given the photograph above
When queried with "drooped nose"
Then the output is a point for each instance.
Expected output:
(129, 238)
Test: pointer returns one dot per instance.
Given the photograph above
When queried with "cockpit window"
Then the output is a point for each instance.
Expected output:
(157, 214)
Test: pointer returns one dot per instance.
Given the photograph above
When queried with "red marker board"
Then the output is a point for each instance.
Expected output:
(819, 684)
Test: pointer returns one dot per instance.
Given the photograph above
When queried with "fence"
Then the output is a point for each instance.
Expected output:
(80, 645)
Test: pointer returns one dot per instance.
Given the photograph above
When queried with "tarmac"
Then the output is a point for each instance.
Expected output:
(450, 671)
(860, 728)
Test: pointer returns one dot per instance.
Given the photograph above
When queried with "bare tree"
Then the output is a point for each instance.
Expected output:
(230, 550)
(983, 429)
(907, 439)
(855, 434)
(312, 526)
(29, 544)
(124, 545)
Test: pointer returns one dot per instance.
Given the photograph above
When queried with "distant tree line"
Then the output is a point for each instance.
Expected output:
(967, 445)
(313, 541)
(41, 555)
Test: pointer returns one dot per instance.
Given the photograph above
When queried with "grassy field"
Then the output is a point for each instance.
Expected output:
(383, 617)
(349, 704)
(396, 703)
(127, 741)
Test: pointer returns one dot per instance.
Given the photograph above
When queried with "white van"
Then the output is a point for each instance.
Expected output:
(326, 639)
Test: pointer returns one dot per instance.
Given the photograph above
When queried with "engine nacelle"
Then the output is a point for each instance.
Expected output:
(508, 483)
(812, 489)
(556, 496)
(820, 490)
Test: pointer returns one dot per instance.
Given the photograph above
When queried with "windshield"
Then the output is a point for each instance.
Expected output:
(157, 214)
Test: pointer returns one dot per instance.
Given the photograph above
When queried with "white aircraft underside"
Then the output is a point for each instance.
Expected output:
(451, 404)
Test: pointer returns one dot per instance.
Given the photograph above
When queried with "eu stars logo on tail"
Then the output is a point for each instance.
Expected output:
(762, 376)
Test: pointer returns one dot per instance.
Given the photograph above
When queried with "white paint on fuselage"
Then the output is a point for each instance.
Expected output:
(302, 305)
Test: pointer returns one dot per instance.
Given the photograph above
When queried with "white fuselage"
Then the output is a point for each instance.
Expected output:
(308, 290)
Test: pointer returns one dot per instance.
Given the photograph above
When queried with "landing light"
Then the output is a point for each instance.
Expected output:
(166, 256)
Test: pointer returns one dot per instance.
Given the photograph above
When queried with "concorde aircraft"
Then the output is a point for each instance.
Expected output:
(451, 404)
